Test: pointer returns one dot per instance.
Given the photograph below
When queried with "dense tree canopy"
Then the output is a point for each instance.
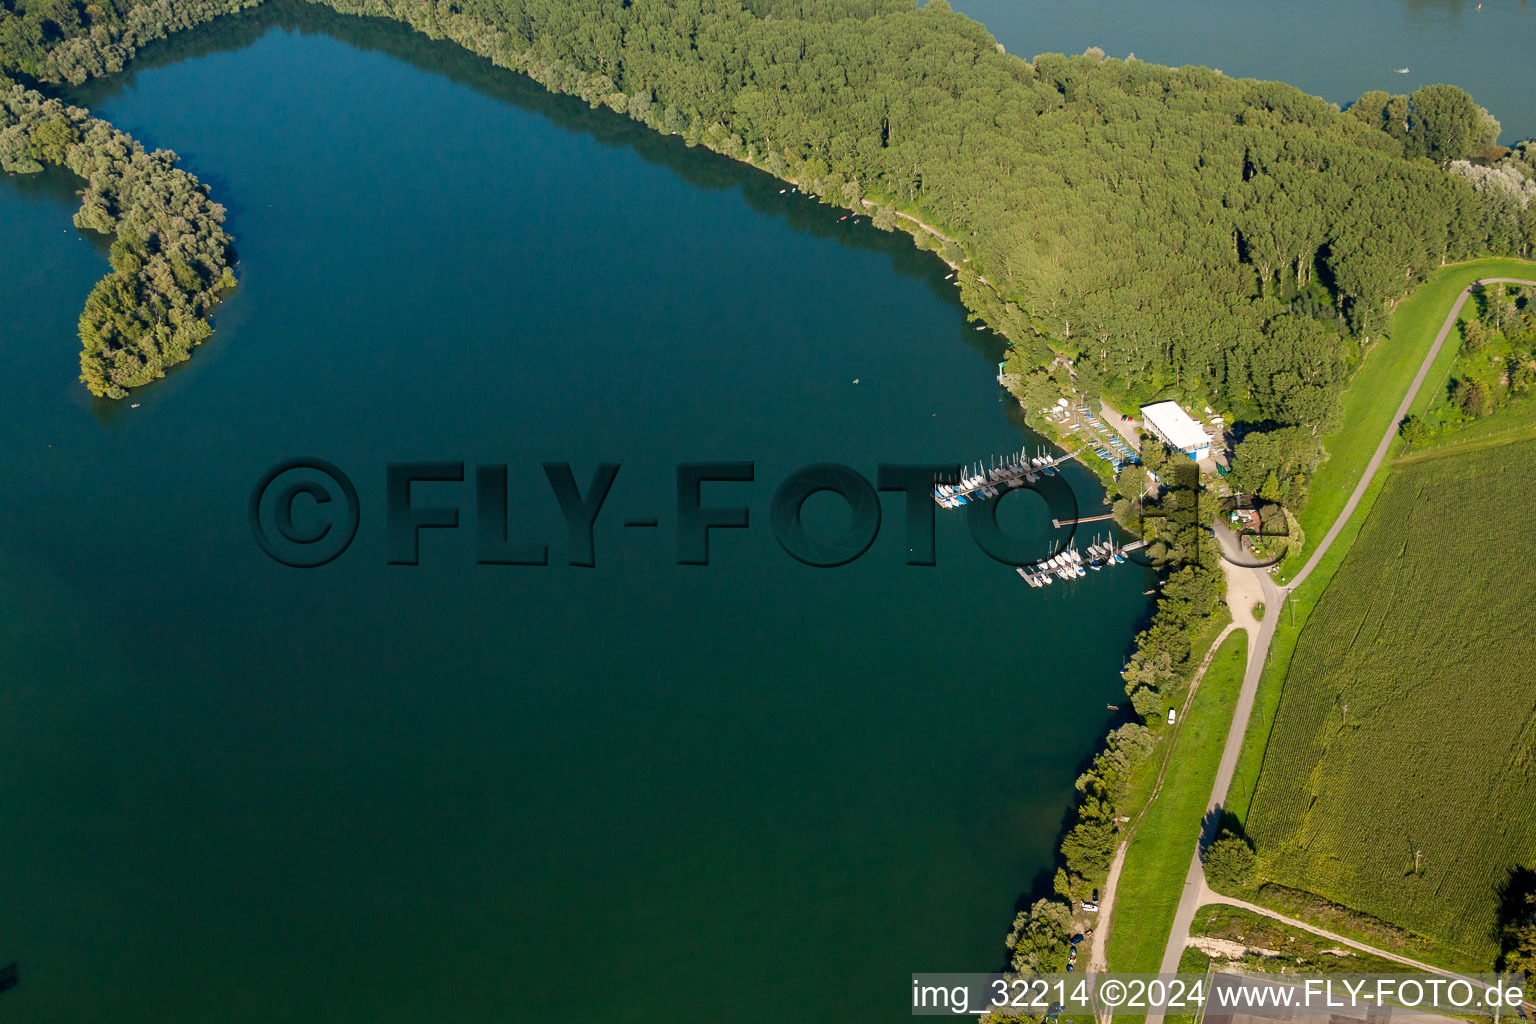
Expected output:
(1160, 225)
(170, 258)
(1438, 122)
(64, 40)
(1155, 223)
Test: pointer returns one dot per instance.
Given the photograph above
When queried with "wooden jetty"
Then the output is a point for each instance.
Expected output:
(1059, 523)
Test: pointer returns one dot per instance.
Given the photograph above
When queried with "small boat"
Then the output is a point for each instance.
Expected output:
(842, 218)
(135, 405)
(855, 380)
(949, 275)
(981, 327)
(783, 190)
(1404, 71)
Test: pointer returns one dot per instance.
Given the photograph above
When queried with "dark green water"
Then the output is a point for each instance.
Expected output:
(753, 791)
(1337, 50)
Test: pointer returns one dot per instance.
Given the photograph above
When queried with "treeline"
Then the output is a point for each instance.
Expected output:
(1495, 365)
(1176, 527)
(1505, 181)
(1040, 939)
(67, 41)
(1166, 655)
(1155, 223)
(1163, 227)
(170, 255)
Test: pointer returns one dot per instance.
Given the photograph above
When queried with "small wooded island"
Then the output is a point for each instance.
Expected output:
(1161, 226)
(1145, 231)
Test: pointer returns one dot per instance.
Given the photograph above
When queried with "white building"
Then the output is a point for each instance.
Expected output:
(1177, 429)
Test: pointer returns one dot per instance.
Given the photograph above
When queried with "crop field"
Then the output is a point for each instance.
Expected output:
(1378, 386)
(1399, 778)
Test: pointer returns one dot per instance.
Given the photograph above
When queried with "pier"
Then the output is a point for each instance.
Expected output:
(1057, 524)
(1070, 564)
(1017, 470)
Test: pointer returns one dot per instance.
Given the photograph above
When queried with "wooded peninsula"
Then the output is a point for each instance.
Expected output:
(1170, 230)
(1150, 232)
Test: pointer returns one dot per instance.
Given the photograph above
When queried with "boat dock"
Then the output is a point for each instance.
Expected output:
(1057, 524)
(1017, 470)
(1071, 563)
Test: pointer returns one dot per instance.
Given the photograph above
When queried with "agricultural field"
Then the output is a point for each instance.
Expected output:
(1398, 779)
(1370, 402)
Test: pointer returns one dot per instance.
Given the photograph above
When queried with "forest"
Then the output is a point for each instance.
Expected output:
(1174, 231)
(169, 255)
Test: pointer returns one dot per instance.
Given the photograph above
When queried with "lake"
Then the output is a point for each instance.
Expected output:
(1331, 49)
(753, 790)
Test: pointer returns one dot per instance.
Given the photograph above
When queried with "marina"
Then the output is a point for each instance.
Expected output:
(1070, 564)
(977, 484)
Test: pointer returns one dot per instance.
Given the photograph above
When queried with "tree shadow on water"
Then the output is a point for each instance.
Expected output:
(696, 165)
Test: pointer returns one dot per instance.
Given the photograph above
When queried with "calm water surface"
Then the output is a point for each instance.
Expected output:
(1337, 49)
(753, 791)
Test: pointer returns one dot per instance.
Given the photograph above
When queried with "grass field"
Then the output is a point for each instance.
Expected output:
(1398, 778)
(1379, 385)
(1152, 878)
(1514, 422)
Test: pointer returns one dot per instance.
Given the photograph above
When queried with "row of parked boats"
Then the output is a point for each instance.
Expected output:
(980, 484)
(1071, 563)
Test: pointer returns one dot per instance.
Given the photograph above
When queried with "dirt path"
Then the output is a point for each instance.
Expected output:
(1196, 893)
(1249, 585)
(1097, 948)
(1216, 897)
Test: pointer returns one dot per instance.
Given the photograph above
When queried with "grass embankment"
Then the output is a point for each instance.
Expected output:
(1144, 779)
(1379, 385)
(1157, 859)
(1398, 767)
(1368, 406)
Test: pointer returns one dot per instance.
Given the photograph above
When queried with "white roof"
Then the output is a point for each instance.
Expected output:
(1177, 426)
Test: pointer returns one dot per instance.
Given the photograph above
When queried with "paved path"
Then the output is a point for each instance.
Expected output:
(1391, 434)
(1096, 949)
(1196, 892)
(1259, 638)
